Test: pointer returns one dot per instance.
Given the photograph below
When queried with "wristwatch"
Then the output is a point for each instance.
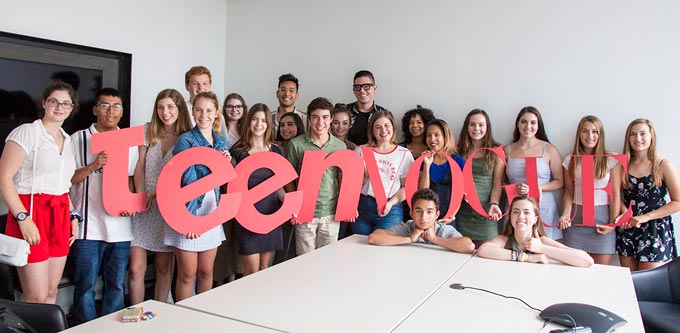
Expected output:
(22, 216)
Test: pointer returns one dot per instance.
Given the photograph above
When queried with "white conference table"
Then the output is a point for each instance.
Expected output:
(468, 310)
(348, 286)
(169, 318)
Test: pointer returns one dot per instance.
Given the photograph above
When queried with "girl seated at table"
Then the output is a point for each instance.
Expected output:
(525, 240)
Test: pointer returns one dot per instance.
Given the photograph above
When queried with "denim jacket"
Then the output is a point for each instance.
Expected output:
(191, 139)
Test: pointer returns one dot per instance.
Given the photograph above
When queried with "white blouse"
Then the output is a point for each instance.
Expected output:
(53, 171)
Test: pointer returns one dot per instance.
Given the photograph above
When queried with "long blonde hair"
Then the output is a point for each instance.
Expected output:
(651, 152)
(601, 168)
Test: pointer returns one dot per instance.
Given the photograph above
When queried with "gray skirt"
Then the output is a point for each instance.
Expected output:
(586, 238)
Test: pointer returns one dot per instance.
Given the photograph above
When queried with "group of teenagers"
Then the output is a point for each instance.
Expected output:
(51, 184)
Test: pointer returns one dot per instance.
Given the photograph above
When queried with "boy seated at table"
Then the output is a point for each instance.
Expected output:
(424, 228)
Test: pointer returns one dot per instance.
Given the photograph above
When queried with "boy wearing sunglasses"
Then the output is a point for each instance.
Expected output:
(364, 88)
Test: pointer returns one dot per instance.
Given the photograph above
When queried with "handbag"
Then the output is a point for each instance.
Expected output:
(14, 251)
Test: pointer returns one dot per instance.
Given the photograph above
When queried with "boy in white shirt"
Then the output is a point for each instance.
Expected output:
(103, 240)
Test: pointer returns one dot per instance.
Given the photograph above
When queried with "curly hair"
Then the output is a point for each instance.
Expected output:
(425, 114)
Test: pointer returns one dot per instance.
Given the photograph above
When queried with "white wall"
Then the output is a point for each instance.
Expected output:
(164, 38)
(617, 59)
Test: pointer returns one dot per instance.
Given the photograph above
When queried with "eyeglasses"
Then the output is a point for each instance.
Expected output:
(284, 90)
(107, 106)
(55, 103)
(365, 86)
(233, 107)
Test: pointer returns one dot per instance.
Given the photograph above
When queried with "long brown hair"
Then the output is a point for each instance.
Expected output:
(601, 168)
(465, 146)
(156, 126)
(540, 133)
(246, 140)
(651, 152)
(537, 228)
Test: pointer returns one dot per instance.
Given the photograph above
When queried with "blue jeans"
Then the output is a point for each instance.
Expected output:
(89, 257)
(369, 219)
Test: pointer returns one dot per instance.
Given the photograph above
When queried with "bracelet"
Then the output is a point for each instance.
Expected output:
(493, 203)
(76, 216)
(523, 257)
(513, 255)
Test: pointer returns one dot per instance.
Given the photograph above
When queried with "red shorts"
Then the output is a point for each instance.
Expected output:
(52, 216)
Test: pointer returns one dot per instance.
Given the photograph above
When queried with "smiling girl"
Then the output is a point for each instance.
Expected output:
(530, 140)
(487, 173)
(341, 124)
(290, 126)
(599, 241)
(234, 108)
(647, 240)
(413, 129)
(169, 119)
(256, 249)
(436, 173)
(35, 176)
(525, 240)
(196, 253)
(393, 162)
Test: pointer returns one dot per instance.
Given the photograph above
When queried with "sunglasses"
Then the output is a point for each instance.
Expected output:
(365, 86)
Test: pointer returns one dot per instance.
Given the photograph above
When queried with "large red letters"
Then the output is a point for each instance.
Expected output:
(588, 188)
(314, 164)
(239, 200)
(117, 197)
(247, 215)
(172, 197)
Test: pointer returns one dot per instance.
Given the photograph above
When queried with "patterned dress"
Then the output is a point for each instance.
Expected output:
(147, 226)
(653, 241)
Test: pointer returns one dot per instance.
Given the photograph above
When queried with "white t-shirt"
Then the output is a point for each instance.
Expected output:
(600, 197)
(53, 171)
(87, 195)
(393, 167)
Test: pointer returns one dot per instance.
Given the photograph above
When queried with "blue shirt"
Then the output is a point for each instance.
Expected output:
(439, 171)
(191, 139)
